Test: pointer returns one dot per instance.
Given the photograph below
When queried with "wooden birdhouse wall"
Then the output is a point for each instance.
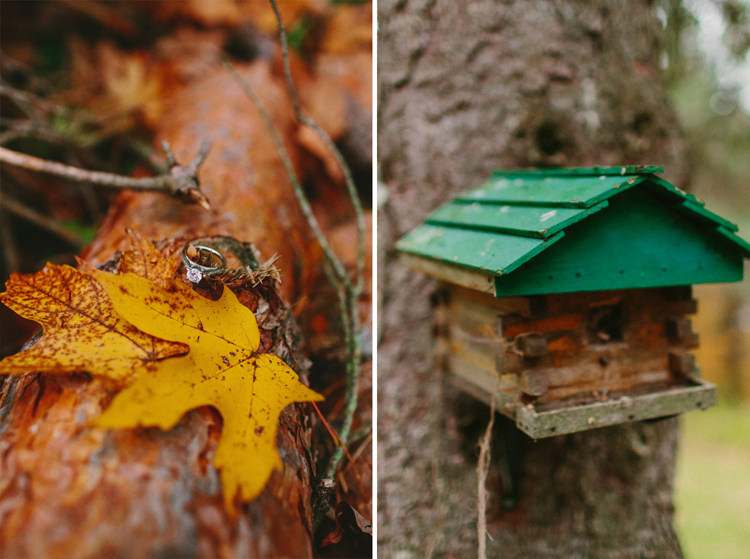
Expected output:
(567, 349)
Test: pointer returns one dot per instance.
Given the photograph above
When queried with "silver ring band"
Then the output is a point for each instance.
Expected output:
(197, 271)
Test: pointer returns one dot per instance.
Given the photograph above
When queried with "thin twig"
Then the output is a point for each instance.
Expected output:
(351, 187)
(347, 289)
(182, 180)
(483, 467)
(10, 252)
(44, 221)
(284, 154)
(358, 453)
(82, 175)
(349, 307)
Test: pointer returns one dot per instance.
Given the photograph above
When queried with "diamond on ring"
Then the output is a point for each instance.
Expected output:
(194, 275)
(196, 270)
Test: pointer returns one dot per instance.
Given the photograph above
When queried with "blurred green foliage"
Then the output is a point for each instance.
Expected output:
(712, 485)
(714, 122)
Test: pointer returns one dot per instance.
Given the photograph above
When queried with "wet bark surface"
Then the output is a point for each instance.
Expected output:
(72, 490)
(465, 89)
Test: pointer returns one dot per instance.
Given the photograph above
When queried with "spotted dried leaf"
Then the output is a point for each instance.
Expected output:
(145, 260)
(81, 330)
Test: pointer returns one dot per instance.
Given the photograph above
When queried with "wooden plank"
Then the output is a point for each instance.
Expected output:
(533, 345)
(499, 305)
(527, 221)
(679, 328)
(483, 354)
(551, 324)
(452, 274)
(667, 191)
(562, 192)
(506, 397)
(533, 383)
(481, 251)
(682, 363)
(474, 318)
(605, 386)
(661, 403)
(637, 242)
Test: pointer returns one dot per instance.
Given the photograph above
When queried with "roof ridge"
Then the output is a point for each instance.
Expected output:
(582, 171)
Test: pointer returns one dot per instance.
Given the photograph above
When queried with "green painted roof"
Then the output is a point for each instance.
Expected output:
(517, 215)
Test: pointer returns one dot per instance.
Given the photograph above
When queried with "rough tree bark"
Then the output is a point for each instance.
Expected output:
(466, 88)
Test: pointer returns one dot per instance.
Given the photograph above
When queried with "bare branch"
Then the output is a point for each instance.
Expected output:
(338, 268)
(171, 161)
(351, 187)
(46, 222)
(182, 180)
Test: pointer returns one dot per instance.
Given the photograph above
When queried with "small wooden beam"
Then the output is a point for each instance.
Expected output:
(532, 345)
(533, 383)
(682, 363)
(681, 330)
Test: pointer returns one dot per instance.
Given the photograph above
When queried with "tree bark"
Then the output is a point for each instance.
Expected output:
(465, 89)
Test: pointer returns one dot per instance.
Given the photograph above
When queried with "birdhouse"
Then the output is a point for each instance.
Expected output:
(566, 293)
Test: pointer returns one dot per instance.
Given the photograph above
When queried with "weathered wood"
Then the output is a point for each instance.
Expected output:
(462, 298)
(453, 274)
(539, 424)
(67, 490)
(682, 363)
(534, 345)
(551, 324)
(620, 343)
(533, 383)
(680, 329)
(476, 250)
(72, 490)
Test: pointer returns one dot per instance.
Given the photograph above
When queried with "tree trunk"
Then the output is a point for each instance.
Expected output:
(465, 89)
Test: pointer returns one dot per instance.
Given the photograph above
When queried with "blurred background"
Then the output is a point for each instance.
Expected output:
(706, 64)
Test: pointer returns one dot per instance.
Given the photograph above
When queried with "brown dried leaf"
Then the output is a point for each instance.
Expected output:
(82, 331)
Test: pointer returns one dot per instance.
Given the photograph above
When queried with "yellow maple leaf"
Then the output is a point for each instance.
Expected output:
(222, 369)
(81, 331)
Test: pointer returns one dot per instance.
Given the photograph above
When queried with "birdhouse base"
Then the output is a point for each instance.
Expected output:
(581, 414)
(540, 423)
